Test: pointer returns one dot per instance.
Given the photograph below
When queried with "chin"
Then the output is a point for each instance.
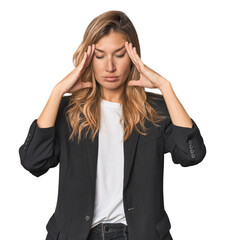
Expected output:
(111, 85)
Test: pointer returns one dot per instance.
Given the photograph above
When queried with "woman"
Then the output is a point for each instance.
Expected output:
(110, 137)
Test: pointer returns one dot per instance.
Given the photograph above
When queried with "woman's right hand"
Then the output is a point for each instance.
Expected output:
(72, 82)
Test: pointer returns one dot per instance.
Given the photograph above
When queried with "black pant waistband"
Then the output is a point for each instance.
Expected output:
(110, 228)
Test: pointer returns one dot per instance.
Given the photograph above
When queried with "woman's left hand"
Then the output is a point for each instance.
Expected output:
(148, 77)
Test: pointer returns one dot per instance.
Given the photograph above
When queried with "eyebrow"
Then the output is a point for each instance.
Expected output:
(114, 51)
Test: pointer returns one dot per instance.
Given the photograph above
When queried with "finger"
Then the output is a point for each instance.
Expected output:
(81, 65)
(87, 84)
(137, 57)
(87, 56)
(133, 83)
(128, 51)
(88, 50)
(137, 60)
(134, 54)
(130, 47)
(91, 53)
(93, 48)
(131, 54)
(84, 60)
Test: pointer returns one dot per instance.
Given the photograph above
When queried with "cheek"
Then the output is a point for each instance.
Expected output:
(125, 66)
(96, 66)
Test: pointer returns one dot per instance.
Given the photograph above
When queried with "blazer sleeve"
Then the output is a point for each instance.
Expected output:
(186, 145)
(41, 149)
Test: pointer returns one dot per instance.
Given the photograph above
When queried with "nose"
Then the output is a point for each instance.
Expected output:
(110, 66)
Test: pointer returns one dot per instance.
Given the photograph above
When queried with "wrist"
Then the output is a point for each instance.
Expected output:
(58, 91)
(164, 85)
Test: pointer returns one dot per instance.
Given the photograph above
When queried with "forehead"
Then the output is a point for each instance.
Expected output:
(111, 42)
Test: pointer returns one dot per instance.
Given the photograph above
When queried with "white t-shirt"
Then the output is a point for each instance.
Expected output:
(110, 167)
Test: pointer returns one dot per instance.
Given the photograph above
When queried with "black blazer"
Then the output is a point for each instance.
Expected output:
(143, 202)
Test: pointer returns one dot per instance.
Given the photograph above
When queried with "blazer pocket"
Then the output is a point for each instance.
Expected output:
(53, 232)
(163, 227)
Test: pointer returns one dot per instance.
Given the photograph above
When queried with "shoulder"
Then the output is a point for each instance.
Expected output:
(64, 103)
(65, 99)
(157, 101)
(154, 97)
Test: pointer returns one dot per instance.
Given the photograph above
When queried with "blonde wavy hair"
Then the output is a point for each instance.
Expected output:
(84, 105)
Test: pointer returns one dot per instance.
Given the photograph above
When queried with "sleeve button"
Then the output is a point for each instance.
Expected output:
(192, 151)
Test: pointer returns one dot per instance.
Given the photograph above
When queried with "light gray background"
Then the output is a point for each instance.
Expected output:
(181, 40)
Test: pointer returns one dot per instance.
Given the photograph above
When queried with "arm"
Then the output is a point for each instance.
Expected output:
(41, 149)
(49, 113)
(177, 112)
(182, 135)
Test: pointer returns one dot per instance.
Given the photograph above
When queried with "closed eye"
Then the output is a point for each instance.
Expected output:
(98, 57)
(119, 56)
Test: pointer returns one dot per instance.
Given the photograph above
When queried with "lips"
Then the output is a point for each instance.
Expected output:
(111, 78)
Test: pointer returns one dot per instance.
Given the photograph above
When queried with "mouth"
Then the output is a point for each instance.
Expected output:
(111, 78)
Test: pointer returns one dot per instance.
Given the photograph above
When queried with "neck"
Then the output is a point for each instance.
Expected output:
(114, 95)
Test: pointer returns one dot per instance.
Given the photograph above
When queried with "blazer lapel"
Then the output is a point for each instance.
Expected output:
(91, 156)
(129, 151)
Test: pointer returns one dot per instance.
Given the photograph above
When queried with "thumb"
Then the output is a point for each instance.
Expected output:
(87, 84)
(133, 83)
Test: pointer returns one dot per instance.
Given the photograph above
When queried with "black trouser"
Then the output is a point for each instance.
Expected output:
(108, 231)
